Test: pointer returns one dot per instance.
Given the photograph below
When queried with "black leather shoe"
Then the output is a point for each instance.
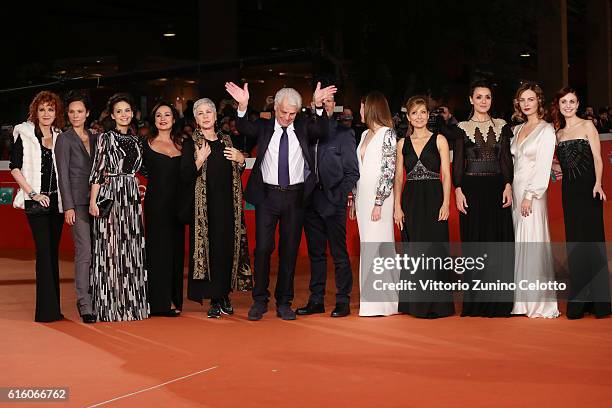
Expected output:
(257, 311)
(311, 308)
(226, 306)
(215, 310)
(169, 313)
(88, 318)
(341, 310)
(285, 312)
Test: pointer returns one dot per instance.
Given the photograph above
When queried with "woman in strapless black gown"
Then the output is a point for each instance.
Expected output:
(165, 234)
(578, 152)
(422, 212)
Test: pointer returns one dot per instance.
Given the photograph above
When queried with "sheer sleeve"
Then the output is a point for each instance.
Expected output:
(541, 172)
(387, 168)
(459, 158)
(100, 160)
(505, 159)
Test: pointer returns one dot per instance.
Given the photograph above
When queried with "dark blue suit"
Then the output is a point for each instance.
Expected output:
(325, 217)
(275, 207)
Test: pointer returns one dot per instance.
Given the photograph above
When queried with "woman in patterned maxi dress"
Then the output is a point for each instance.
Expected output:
(119, 277)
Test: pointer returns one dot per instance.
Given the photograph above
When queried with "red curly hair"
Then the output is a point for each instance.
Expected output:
(52, 99)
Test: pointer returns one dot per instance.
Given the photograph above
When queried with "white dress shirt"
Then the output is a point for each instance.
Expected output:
(269, 165)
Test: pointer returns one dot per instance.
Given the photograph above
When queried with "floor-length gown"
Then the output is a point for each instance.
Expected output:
(165, 234)
(421, 200)
(119, 276)
(533, 255)
(589, 282)
(482, 166)
(220, 211)
(376, 169)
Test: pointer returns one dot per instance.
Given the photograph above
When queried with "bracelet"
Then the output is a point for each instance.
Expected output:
(32, 194)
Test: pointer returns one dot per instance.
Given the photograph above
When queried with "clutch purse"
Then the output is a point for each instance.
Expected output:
(105, 205)
(35, 208)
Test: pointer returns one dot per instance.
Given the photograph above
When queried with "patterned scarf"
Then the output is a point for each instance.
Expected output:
(241, 269)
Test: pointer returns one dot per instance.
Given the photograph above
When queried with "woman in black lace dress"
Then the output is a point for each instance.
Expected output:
(482, 174)
(119, 277)
(581, 167)
(422, 208)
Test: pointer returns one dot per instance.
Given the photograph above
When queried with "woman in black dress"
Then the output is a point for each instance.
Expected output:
(119, 276)
(422, 208)
(212, 167)
(165, 234)
(581, 167)
(33, 167)
(482, 174)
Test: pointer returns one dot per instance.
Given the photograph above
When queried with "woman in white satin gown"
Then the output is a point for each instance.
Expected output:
(373, 203)
(532, 149)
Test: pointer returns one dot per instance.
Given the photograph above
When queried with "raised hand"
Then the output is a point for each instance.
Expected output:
(240, 95)
(320, 94)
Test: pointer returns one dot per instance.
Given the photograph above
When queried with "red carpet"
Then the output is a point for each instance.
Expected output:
(396, 361)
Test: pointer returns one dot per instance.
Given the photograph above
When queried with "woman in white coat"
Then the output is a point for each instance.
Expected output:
(33, 168)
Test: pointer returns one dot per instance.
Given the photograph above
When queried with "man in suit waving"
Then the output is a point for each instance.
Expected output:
(279, 186)
(336, 172)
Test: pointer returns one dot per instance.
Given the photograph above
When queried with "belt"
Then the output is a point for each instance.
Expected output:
(120, 175)
(293, 187)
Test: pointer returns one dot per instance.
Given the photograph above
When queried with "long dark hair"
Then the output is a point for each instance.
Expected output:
(175, 135)
(557, 117)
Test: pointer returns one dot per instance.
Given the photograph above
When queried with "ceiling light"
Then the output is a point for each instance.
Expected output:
(525, 55)
(169, 34)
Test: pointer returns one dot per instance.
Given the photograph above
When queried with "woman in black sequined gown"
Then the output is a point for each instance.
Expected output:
(578, 152)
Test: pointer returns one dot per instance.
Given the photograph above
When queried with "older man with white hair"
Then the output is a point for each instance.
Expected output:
(280, 183)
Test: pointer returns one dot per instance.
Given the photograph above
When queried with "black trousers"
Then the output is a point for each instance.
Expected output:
(319, 231)
(47, 231)
(284, 208)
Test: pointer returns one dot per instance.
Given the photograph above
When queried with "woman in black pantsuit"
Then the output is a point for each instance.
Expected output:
(33, 167)
(165, 234)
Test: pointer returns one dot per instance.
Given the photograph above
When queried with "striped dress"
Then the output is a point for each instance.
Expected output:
(118, 275)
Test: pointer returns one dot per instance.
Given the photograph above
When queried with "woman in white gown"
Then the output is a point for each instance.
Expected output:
(373, 204)
(532, 149)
